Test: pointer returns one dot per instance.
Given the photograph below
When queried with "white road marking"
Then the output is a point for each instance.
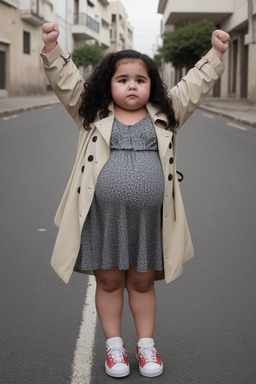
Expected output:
(237, 126)
(41, 230)
(9, 117)
(207, 115)
(83, 356)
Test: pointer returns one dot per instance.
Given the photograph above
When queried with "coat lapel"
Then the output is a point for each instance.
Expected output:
(160, 122)
(105, 125)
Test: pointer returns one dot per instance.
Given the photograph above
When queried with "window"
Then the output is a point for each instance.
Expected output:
(113, 18)
(2, 70)
(26, 42)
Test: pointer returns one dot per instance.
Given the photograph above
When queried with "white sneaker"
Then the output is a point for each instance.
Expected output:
(116, 364)
(150, 364)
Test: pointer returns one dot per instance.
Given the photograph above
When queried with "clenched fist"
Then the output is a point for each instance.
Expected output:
(220, 42)
(50, 34)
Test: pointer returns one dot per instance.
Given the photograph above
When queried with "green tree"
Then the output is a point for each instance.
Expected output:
(185, 46)
(87, 55)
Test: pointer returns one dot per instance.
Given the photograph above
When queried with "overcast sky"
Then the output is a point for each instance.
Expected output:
(143, 16)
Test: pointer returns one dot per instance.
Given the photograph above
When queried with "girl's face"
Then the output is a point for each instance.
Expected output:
(130, 84)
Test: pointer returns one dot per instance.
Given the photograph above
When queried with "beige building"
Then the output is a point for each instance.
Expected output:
(238, 18)
(81, 22)
(20, 40)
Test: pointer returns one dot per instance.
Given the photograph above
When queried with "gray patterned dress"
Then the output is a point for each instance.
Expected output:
(123, 226)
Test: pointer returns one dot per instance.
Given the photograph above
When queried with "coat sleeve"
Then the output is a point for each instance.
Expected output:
(65, 80)
(193, 88)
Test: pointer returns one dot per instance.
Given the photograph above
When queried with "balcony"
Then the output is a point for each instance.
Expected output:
(177, 13)
(36, 12)
(85, 27)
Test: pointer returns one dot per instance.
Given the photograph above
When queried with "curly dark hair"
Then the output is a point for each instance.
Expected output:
(97, 90)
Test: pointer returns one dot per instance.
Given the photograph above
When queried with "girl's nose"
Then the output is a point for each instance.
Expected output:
(132, 85)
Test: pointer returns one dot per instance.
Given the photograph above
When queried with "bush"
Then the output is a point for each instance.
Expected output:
(87, 55)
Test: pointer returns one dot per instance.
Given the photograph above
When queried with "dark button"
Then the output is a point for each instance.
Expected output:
(78, 189)
(94, 139)
(82, 169)
(170, 177)
(90, 158)
(170, 145)
(171, 160)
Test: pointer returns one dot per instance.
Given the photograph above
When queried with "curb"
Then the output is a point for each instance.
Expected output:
(25, 109)
(227, 115)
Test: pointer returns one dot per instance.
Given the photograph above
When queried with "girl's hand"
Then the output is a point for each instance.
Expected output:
(50, 34)
(220, 42)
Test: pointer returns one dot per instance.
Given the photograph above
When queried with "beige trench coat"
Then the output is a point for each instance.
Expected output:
(93, 153)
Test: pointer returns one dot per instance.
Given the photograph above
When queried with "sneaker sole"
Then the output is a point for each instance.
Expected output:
(123, 373)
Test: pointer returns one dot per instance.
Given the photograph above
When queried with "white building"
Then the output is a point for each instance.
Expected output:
(121, 31)
(90, 22)
(238, 18)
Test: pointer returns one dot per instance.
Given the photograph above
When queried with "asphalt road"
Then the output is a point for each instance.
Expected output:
(206, 319)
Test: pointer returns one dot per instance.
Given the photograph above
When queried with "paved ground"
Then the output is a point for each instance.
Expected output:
(236, 109)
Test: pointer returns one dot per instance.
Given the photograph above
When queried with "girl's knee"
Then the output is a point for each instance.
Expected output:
(110, 280)
(140, 282)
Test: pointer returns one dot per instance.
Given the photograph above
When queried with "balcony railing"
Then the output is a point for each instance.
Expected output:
(86, 20)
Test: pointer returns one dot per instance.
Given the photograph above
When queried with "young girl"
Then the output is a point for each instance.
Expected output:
(121, 216)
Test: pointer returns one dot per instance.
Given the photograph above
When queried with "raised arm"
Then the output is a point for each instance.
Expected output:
(61, 72)
(189, 93)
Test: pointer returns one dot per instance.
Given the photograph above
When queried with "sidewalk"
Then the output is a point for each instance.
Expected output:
(236, 109)
(15, 105)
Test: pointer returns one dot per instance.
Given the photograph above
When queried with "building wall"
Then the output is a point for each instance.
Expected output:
(23, 71)
(252, 67)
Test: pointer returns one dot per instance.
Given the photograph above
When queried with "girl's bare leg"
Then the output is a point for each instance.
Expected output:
(110, 286)
(142, 300)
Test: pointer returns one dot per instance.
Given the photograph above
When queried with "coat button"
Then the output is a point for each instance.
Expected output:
(170, 177)
(170, 145)
(94, 139)
(82, 169)
(171, 160)
(78, 189)
(90, 158)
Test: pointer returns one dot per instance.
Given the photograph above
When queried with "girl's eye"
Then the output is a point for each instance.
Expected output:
(122, 81)
(140, 81)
